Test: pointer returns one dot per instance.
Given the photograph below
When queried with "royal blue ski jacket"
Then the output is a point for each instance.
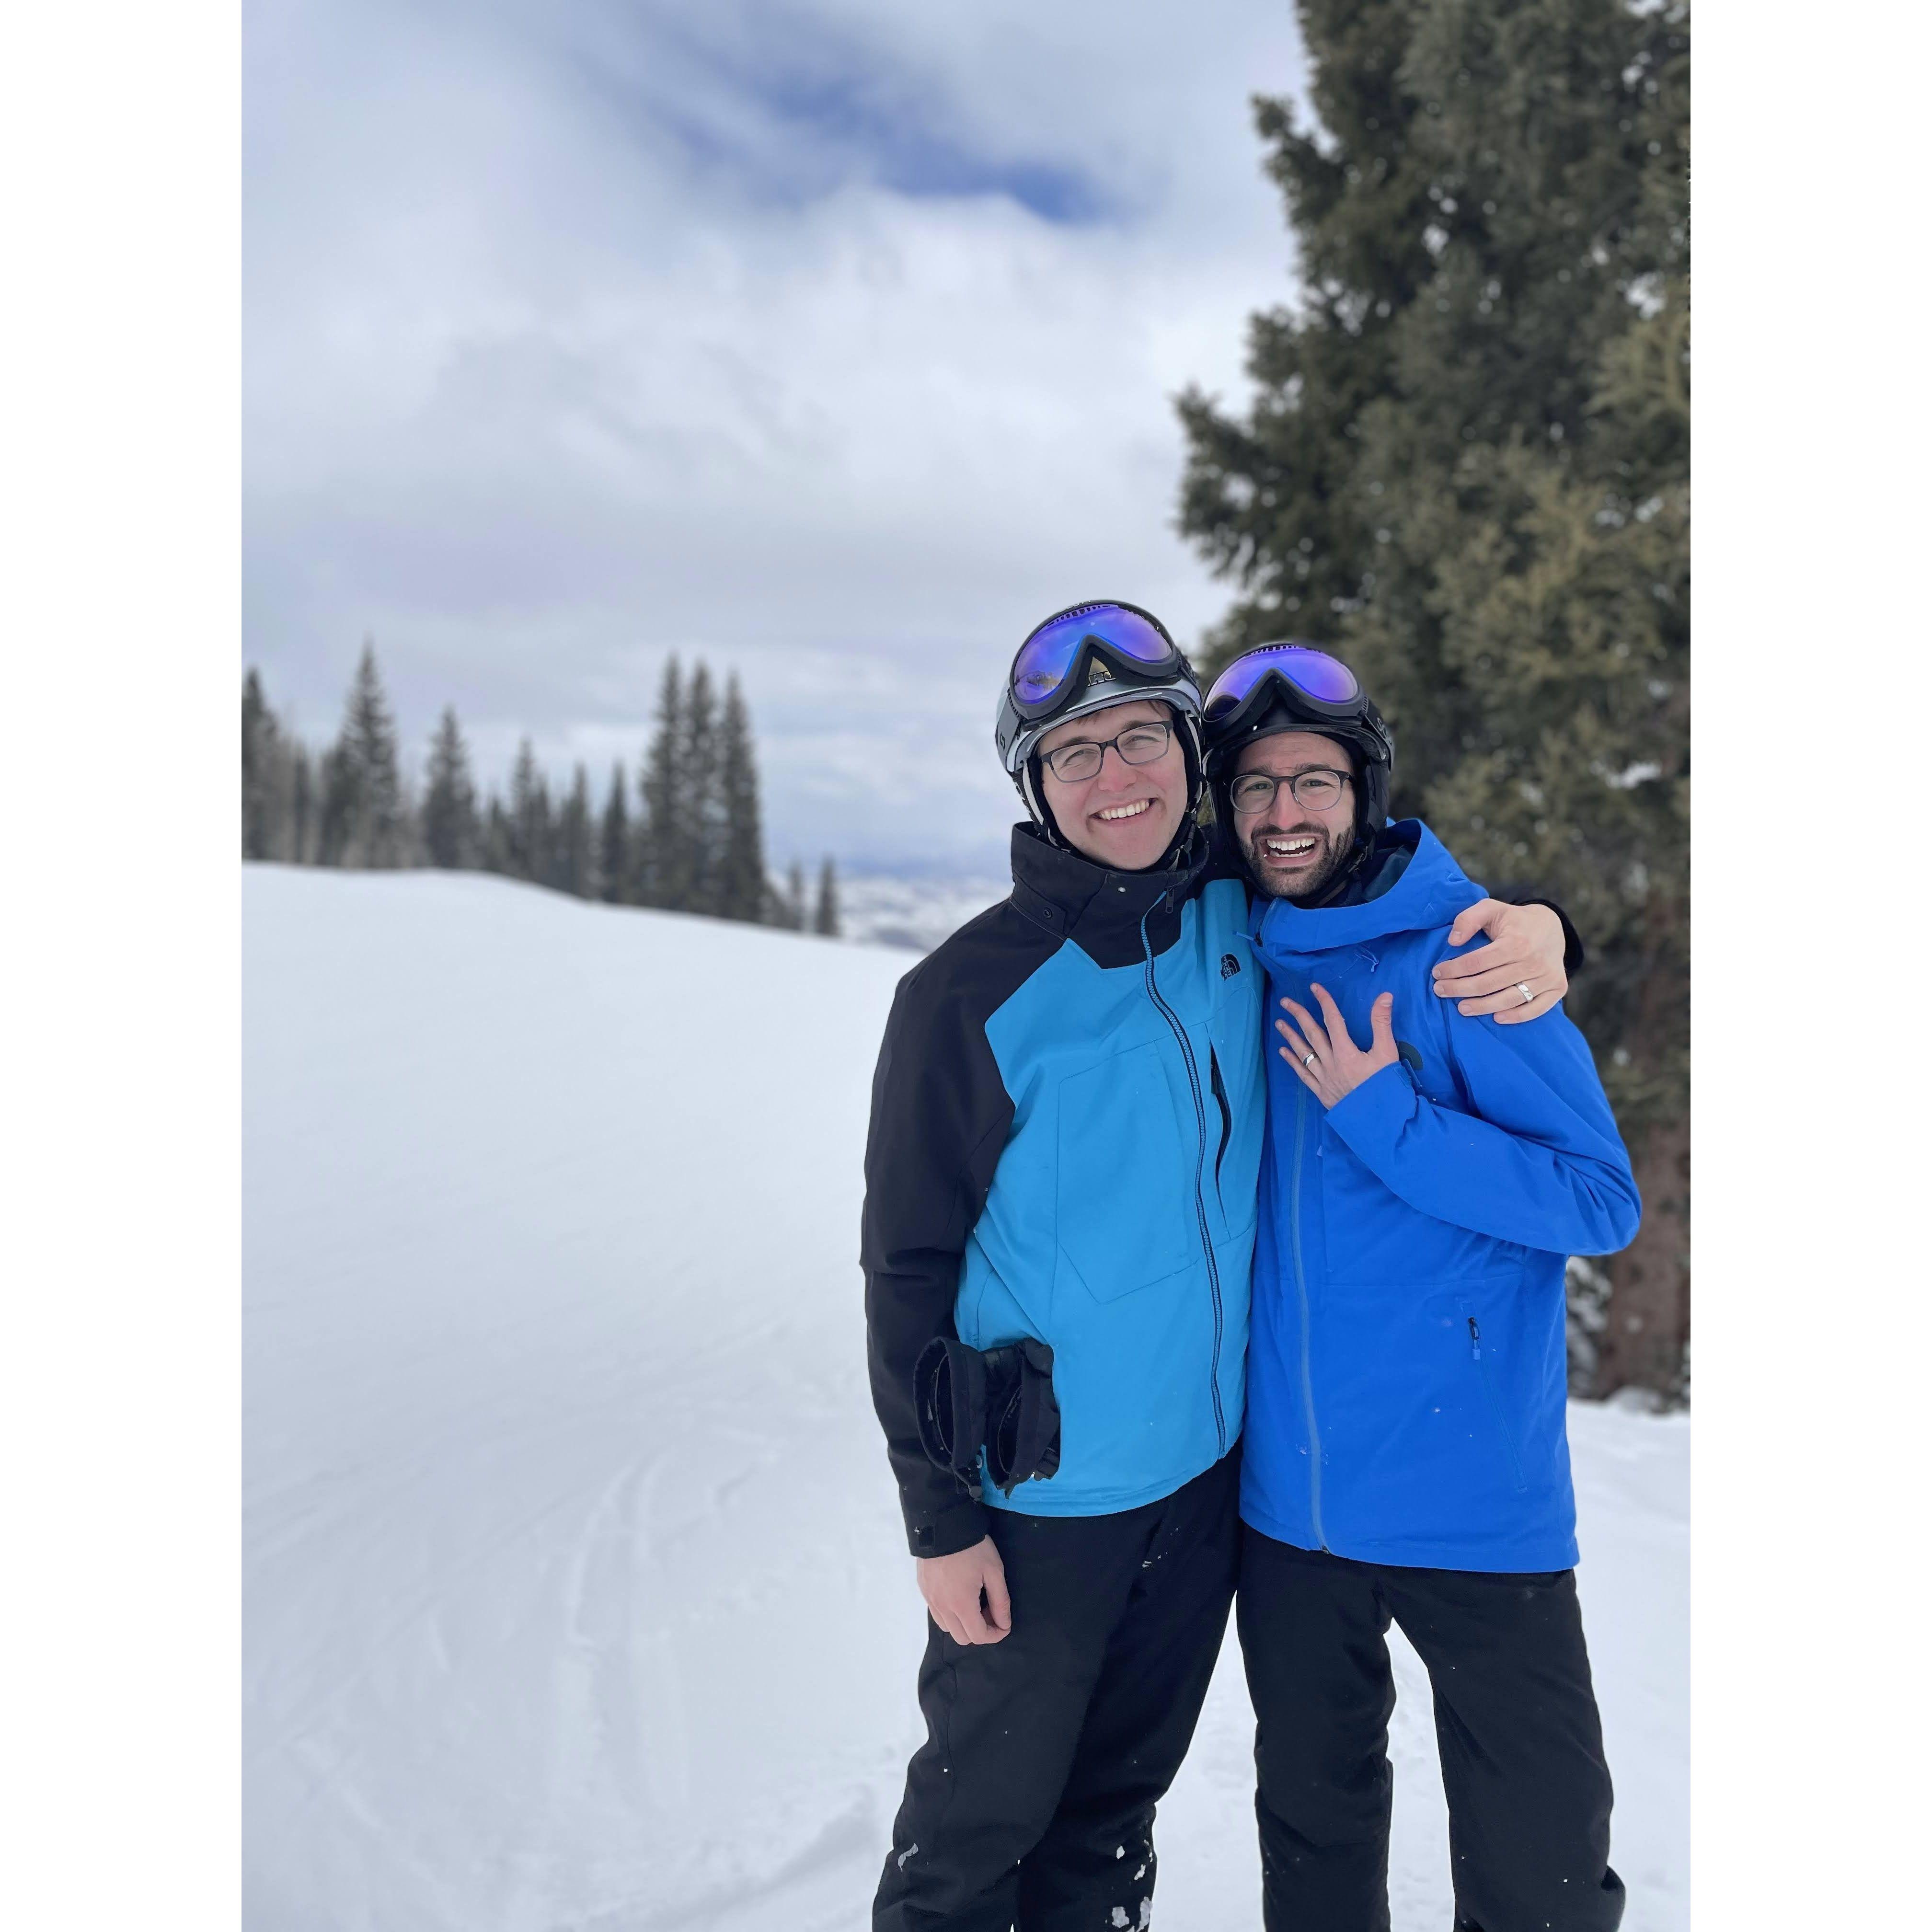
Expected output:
(1066, 1144)
(1407, 1360)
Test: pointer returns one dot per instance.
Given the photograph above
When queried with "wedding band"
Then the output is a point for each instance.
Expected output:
(1308, 1059)
(1528, 998)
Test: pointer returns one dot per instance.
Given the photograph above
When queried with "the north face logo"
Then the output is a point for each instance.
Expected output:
(1100, 674)
(1230, 965)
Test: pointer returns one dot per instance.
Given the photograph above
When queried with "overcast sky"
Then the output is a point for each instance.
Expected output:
(834, 341)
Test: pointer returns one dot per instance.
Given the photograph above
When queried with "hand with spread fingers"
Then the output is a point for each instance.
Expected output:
(1519, 975)
(1330, 1062)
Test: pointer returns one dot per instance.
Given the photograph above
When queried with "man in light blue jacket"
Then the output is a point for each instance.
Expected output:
(1406, 1458)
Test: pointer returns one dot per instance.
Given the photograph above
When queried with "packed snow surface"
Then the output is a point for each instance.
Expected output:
(576, 1592)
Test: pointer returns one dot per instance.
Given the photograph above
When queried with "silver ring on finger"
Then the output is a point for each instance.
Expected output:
(1308, 1059)
(1528, 998)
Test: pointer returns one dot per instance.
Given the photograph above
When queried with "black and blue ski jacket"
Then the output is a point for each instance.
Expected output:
(1066, 1142)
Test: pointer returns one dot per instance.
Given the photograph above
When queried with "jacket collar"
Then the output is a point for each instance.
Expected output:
(1102, 911)
(1427, 892)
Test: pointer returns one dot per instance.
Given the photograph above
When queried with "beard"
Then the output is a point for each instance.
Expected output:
(1332, 849)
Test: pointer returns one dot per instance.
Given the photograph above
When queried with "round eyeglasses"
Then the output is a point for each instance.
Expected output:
(1315, 790)
(1137, 744)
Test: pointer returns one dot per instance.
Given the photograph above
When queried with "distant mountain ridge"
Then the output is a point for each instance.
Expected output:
(916, 913)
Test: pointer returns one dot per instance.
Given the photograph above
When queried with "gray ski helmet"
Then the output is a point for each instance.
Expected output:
(1102, 653)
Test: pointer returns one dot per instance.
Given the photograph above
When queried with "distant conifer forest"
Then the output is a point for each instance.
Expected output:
(686, 838)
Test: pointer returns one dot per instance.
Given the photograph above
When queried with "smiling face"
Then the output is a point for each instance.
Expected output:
(1293, 852)
(1125, 816)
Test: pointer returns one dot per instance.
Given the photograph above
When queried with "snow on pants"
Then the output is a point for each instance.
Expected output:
(1516, 1726)
(1030, 1804)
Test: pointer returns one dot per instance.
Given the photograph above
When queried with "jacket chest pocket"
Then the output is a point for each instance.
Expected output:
(1126, 1156)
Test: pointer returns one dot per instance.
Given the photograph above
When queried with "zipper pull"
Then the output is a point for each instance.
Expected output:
(1475, 1341)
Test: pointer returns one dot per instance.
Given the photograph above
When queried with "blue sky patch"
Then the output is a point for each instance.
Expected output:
(798, 110)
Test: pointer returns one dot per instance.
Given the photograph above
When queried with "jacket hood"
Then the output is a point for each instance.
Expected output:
(1431, 888)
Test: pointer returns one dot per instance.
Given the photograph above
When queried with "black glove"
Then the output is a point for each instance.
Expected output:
(1000, 1399)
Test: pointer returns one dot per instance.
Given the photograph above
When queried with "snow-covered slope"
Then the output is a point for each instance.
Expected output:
(576, 1593)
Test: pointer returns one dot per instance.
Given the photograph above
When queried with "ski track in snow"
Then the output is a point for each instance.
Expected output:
(577, 1599)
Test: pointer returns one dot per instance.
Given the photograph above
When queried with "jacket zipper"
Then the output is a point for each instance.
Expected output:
(1227, 1114)
(1200, 1204)
(1301, 1290)
(1495, 1400)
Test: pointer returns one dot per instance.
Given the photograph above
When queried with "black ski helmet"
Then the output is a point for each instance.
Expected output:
(1293, 685)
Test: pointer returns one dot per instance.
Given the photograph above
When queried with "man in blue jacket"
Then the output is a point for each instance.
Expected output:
(1060, 1186)
(1406, 1458)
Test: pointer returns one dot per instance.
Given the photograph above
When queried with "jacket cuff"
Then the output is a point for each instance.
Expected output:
(1370, 1117)
(958, 1528)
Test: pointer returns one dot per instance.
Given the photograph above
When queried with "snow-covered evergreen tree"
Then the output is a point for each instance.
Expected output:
(825, 911)
(263, 826)
(452, 833)
(529, 818)
(663, 874)
(365, 822)
(616, 863)
(703, 795)
(741, 884)
(573, 868)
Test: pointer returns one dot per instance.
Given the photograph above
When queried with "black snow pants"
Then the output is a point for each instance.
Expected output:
(1516, 1724)
(1030, 1804)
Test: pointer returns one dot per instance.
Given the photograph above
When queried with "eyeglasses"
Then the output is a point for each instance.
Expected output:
(1137, 744)
(1315, 790)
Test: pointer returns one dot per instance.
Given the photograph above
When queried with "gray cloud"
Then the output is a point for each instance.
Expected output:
(834, 342)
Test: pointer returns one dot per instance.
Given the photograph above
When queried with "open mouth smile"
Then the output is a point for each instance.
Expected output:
(1300, 848)
(1114, 813)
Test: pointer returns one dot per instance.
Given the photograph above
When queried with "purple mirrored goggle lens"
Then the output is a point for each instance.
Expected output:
(1046, 657)
(1314, 673)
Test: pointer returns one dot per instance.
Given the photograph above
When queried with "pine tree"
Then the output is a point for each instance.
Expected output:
(528, 819)
(574, 856)
(703, 795)
(500, 840)
(663, 869)
(452, 836)
(262, 762)
(369, 732)
(741, 893)
(339, 808)
(825, 913)
(363, 821)
(794, 902)
(615, 866)
(304, 828)
(276, 783)
(1467, 466)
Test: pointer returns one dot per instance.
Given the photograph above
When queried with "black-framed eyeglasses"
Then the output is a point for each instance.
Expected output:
(1316, 789)
(1138, 745)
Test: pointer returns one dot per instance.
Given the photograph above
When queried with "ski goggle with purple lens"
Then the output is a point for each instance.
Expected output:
(1314, 673)
(1048, 659)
